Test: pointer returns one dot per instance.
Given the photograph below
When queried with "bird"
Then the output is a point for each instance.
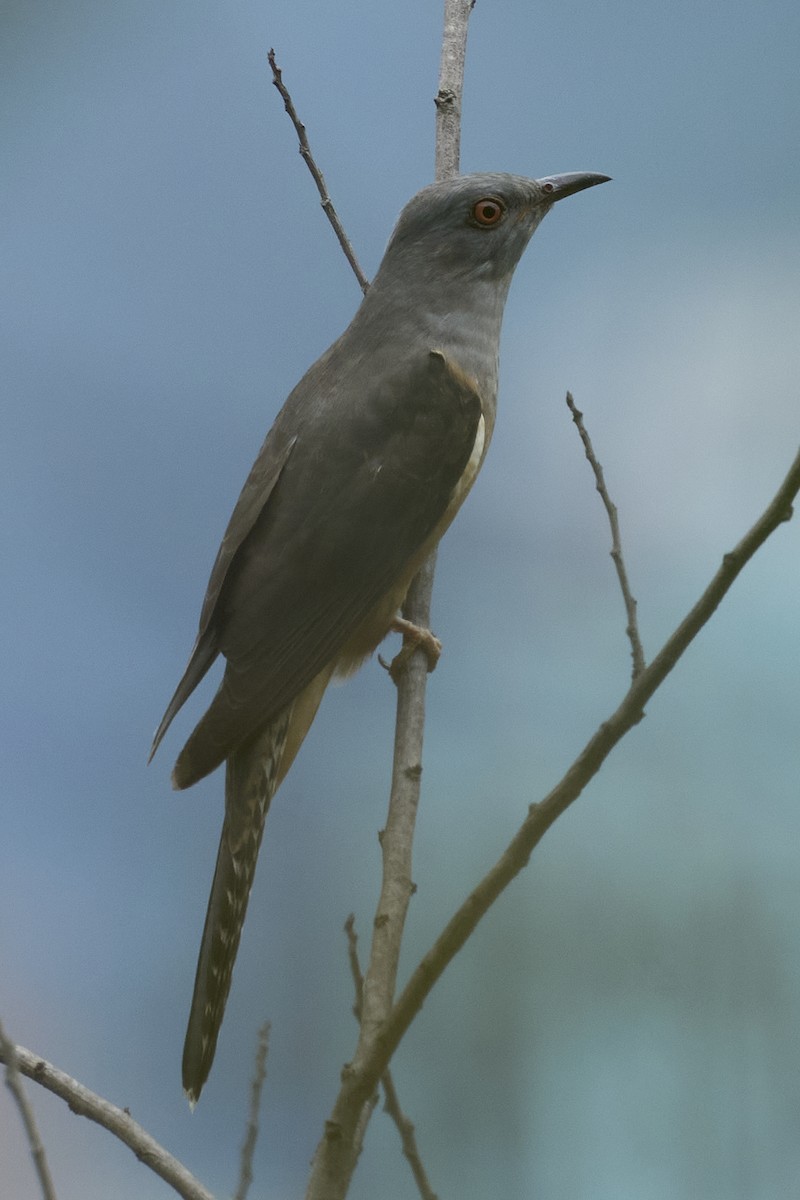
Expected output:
(363, 470)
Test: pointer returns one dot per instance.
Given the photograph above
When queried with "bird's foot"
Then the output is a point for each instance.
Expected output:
(414, 638)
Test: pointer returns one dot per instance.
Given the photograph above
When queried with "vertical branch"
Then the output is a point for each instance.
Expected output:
(335, 1157)
(397, 838)
(410, 723)
(451, 87)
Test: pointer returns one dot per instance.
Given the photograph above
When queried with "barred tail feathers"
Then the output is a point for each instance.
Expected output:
(251, 778)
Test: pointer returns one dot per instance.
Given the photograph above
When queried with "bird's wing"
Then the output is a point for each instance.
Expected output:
(255, 494)
(361, 492)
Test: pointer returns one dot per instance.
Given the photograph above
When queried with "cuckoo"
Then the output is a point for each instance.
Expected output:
(365, 467)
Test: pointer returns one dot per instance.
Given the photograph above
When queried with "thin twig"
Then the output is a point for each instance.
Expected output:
(319, 180)
(358, 996)
(391, 1103)
(632, 629)
(355, 965)
(359, 1084)
(8, 1052)
(86, 1103)
(408, 1136)
(251, 1133)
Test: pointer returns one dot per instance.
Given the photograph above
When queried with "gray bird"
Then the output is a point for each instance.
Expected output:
(365, 467)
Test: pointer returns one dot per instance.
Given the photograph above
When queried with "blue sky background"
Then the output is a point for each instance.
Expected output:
(624, 1024)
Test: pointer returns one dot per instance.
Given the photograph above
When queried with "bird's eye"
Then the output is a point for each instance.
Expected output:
(488, 211)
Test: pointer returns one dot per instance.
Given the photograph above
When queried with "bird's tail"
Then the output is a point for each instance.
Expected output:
(252, 774)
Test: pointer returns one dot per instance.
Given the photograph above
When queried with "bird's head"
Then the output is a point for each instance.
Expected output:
(476, 225)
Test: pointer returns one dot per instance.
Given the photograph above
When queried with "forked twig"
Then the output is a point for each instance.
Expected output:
(118, 1121)
(632, 630)
(542, 815)
(319, 180)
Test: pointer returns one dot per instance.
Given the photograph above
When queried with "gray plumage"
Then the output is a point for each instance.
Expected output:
(366, 465)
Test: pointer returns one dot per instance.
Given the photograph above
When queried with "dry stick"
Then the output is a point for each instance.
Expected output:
(251, 1134)
(632, 630)
(8, 1052)
(451, 87)
(542, 815)
(86, 1103)
(334, 1160)
(391, 1105)
(308, 158)
(397, 837)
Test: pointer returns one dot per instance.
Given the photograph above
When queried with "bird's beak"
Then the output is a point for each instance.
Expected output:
(556, 187)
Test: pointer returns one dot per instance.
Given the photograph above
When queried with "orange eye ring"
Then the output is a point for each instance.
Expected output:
(488, 211)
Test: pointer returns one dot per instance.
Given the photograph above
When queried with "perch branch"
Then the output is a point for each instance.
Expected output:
(334, 1160)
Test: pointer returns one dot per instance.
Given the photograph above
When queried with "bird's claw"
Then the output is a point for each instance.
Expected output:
(415, 637)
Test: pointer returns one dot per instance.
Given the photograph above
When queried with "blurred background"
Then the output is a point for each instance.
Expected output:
(624, 1024)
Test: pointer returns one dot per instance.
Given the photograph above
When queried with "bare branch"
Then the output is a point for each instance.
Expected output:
(319, 180)
(334, 1160)
(8, 1052)
(397, 837)
(359, 1082)
(632, 629)
(118, 1121)
(391, 1105)
(451, 87)
(251, 1133)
